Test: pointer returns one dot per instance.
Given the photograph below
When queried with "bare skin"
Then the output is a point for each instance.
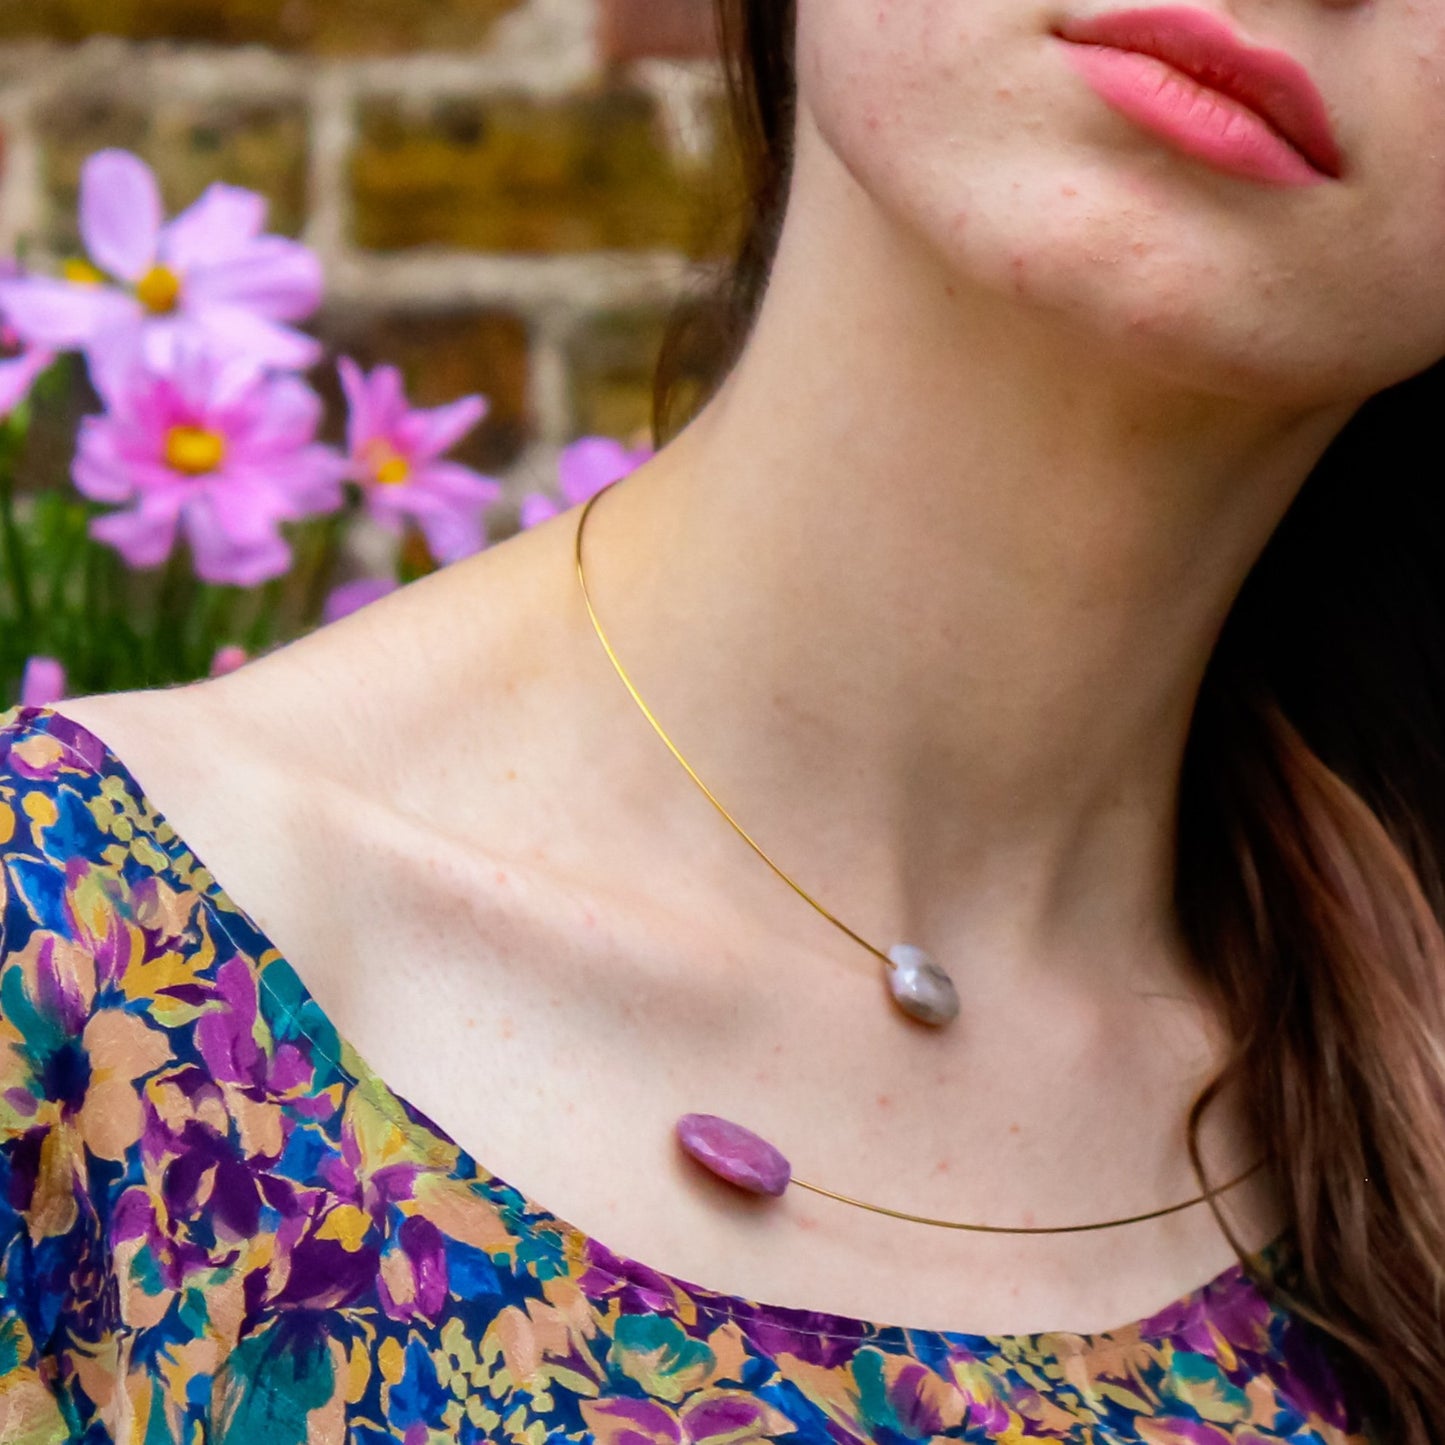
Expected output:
(925, 596)
(527, 941)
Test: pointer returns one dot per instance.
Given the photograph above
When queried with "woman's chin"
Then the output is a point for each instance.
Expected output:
(1137, 305)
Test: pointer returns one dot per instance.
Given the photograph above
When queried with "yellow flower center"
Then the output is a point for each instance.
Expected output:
(159, 290)
(83, 273)
(387, 464)
(193, 450)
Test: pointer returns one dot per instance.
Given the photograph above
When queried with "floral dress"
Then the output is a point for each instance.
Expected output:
(216, 1224)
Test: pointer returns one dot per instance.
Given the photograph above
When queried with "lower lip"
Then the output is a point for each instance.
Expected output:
(1194, 119)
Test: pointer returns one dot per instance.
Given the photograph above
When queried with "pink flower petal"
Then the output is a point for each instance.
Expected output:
(220, 559)
(241, 332)
(43, 682)
(384, 516)
(427, 434)
(589, 465)
(18, 375)
(227, 659)
(457, 485)
(98, 469)
(64, 314)
(243, 515)
(350, 597)
(116, 360)
(299, 484)
(389, 509)
(144, 535)
(289, 413)
(218, 227)
(273, 277)
(313, 479)
(388, 400)
(232, 380)
(536, 509)
(120, 213)
(182, 347)
(360, 424)
(450, 536)
(452, 532)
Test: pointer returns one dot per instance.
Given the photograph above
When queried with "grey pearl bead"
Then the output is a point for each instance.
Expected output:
(920, 987)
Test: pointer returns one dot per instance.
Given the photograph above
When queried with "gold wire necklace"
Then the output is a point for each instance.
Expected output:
(917, 985)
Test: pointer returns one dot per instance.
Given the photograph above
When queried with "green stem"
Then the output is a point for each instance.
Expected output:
(263, 624)
(322, 565)
(69, 544)
(13, 542)
(167, 640)
(217, 617)
(90, 607)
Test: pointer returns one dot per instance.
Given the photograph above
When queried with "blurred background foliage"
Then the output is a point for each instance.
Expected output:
(508, 197)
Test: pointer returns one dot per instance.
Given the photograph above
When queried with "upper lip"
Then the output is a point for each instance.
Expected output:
(1270, 82)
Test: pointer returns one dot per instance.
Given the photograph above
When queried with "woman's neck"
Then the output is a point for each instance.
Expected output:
(929, 588)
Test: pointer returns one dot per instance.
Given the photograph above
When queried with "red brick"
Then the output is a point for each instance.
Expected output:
(514, 173)
(260, 145)
(611, 361)
(632, 29)
(376, 27)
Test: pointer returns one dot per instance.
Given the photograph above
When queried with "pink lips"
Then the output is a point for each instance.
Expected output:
(1183, 74)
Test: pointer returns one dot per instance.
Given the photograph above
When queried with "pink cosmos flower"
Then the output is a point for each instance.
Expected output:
(43, 681)
(350, 597)
(395, 452)
(17, 375)
(583, 469)
(228, 659)
(210, 271)
(19, 364)
(210, 444)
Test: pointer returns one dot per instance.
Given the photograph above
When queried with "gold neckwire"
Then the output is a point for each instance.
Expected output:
(742, 1157)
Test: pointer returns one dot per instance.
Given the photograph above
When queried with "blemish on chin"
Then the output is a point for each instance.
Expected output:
(1069, 192)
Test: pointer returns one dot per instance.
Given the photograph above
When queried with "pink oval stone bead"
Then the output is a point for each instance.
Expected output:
(734, 1153)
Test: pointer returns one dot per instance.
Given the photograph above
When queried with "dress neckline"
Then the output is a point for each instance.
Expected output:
(1228, 1299)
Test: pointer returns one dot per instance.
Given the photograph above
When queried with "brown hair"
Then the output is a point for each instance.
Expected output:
(1311, 829)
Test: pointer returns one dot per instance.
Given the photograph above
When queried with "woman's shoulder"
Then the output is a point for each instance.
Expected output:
(100, 903)
(67, 802)
(83, 848)
(135, 786)
(113, 931)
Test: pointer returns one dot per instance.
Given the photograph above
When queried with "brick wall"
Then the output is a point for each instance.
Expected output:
(508, 194)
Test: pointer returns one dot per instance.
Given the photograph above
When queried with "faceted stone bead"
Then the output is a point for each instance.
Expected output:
(734, 1153)
(920, 987)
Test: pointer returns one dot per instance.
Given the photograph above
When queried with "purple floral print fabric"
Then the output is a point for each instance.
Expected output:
(217, 1225)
